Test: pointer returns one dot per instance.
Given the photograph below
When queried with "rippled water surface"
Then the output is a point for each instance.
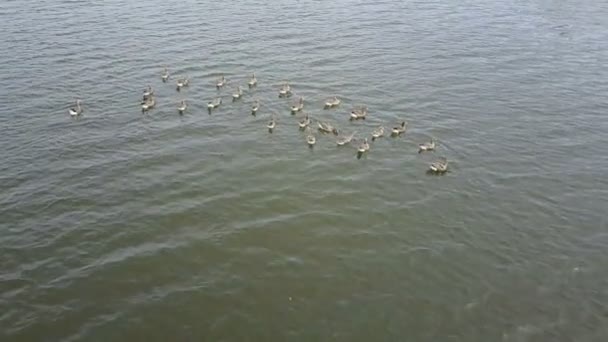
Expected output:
(122, 226)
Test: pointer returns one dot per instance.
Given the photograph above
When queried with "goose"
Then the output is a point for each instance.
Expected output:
(310, 138)
(148, 92)
(399, 129)
(345, 139)
(427, 146)
(182, 82)
(333, 102)
(253, 82)
(76, 111)
(148, 104)
(182, 107)
(298, 106)
(255, 107)
(439, 166)
(326, 127)
(364, 147)
(165, 75)
(378, 133)
(214, 103)
(358, 113)
(285, 90)
(271, 124)
(221, 82)
(237, 95)
(304, 122)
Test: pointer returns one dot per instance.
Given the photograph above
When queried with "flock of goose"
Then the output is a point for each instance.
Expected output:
(148, 102)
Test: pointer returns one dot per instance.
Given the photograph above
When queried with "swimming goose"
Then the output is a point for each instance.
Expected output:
(214, 103)
(147, 93)
(148, 104)
(182, 107)
(271, 124)
(238, 94)
(165, 75)
(364, 147)
(358, 113)
(378, 133)
(182, 82)
(427, 146)
(333, 102)
(345, 139)
(285, 90)
(439, 166)
(76, 111)
(221, 82)
(310, 138)
(304, 122)
(255, 106)
(298, 106)
(399, 129)
(326, 127)
(253, 82)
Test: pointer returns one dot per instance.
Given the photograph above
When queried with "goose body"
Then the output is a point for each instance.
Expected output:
(378, 133)
(182, 82)
(253, 82)
(363, 147)
(255, 107)
(148, 104)
(296, 107)
(237, 94)
(221, 82)
(304, 122)
(333, 102)
(75, 111)
(428, 146)
(439, 166)
(147, 93)
(214, 103)
(272, 124)
(326, 127)
(182, 107)
(345, 139)
(165, 75)
(358, 113)
(285, 90)
(310, 139)
(398, 130)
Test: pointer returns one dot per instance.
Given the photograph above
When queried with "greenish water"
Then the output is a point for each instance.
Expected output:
(122, 226)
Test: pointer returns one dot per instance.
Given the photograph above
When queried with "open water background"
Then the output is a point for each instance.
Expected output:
(122, 226)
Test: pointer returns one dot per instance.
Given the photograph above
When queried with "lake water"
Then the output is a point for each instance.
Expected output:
(123, 226)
